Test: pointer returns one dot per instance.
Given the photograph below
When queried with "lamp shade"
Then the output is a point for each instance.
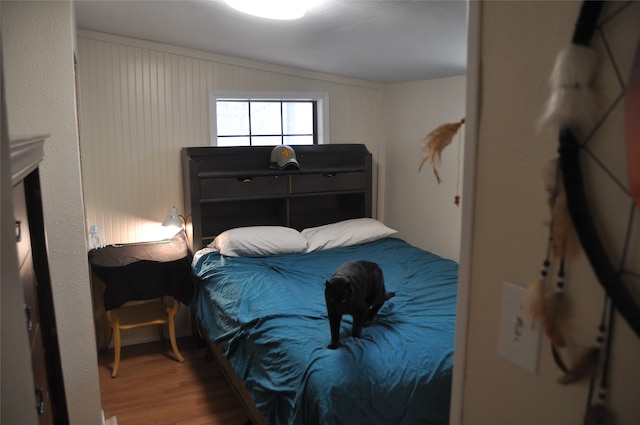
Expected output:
(172, 219)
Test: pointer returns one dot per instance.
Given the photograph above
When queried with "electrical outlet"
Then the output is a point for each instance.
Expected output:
(519, 336)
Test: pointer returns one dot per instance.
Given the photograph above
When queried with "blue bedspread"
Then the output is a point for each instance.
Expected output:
(269, 317)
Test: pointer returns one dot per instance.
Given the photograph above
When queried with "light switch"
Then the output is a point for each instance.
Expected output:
(519, 336)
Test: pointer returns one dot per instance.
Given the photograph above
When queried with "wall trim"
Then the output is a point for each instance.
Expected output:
(474, 24)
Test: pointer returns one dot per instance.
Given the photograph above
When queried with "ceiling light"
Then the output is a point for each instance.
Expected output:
(272, 9)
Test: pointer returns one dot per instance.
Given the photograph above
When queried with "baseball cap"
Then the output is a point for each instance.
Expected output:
(283, 156)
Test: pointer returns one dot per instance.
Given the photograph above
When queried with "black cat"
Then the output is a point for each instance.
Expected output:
(356, 288)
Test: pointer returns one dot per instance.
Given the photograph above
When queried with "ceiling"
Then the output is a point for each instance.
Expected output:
(375, 40)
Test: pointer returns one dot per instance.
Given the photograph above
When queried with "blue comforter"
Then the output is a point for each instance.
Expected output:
(269, 317)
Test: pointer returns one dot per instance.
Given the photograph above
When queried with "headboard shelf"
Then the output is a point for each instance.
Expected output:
(227, 187)
(291, 195)
(271, 172)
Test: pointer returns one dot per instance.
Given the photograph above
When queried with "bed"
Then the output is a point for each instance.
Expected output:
(264, 315)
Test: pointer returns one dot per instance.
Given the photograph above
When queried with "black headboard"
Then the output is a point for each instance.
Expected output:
(227, 187)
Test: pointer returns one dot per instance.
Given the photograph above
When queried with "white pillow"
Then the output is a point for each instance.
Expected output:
(259, 241)
(345, 233)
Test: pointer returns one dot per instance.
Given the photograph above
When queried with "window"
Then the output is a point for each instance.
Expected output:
(267, 119)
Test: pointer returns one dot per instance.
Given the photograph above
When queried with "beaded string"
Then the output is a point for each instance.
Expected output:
(605, 335)
(560, 278)
(559, 288)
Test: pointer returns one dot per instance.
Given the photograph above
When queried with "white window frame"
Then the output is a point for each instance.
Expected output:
(321, 98)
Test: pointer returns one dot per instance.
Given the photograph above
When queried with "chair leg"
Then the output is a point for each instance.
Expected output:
(172, 337)
(171, 314)
(116, 343)
(109, 336)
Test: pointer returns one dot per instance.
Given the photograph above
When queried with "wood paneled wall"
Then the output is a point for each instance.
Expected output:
(140, 102)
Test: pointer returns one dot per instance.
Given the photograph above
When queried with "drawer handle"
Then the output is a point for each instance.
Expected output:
(245, 180)
(27, 311)
(41, 405)
(330, 174)
(18, 230)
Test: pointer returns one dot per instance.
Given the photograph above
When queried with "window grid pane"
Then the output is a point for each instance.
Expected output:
(244, 122)
(297, 140)
(232, 118)
(234, 141)
(266, 118)
(297, 118)
(266, 140)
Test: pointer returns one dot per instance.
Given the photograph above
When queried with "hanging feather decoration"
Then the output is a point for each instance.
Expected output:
(573, 103)
(586, 364)
(582, 368)
(436, 141)
(552, 308)
(537, 293)
(561, 225)
(557, 311)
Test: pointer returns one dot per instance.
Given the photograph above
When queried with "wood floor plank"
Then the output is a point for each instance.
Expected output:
(153, 388)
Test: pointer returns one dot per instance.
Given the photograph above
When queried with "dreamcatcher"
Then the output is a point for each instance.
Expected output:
(577, 200)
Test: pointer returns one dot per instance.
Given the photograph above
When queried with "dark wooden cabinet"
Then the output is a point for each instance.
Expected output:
(234, 187)
(39, 317)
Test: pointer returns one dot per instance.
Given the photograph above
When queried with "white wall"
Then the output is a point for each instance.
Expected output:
(38, 39)
(423, 211)
(519, 43)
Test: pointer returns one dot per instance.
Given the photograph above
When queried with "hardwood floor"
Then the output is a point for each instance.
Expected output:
(153, 388)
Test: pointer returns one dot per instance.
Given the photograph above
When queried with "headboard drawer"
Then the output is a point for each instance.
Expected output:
(329, 182)
(243, 187)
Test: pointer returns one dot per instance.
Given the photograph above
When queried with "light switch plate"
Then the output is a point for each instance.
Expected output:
(519, 336)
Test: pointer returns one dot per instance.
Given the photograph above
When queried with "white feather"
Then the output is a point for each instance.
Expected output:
(573, 102)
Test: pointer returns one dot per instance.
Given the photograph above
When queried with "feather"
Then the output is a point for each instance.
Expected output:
(550, 175)
(535, 300)
(552, 309)
(555, 317)
(573, 103)
(561, 224)
(436, 141)
(557, 311)
(599, 414)
(582, 368)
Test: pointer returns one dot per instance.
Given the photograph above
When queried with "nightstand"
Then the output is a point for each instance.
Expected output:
(147, 271)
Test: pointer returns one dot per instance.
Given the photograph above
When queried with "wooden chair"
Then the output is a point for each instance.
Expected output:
(138, 278)
(139, 315)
